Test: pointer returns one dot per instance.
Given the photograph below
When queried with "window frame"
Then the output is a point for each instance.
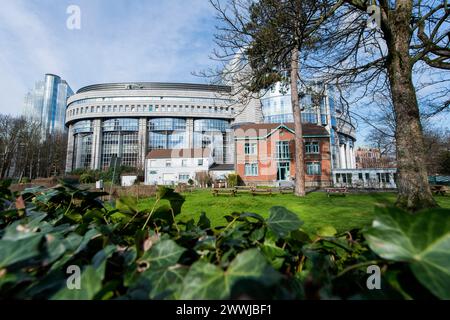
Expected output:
(253, 169)
(314, 173)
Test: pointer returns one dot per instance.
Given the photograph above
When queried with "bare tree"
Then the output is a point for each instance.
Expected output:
(26, 152)
(263, 42)
(411, 34)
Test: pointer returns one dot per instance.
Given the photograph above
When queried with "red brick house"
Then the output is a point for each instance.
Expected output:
(265, 154)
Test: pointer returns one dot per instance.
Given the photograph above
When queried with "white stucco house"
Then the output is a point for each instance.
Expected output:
(173, 166)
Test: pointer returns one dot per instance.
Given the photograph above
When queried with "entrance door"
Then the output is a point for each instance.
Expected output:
(283, 171)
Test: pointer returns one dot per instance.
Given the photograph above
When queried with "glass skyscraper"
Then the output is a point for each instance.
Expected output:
(47, 102)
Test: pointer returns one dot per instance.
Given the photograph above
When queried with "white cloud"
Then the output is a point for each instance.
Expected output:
(25, 49)
(118, 41)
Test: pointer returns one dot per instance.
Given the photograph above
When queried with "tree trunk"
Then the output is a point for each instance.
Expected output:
(299, 146)
(413, 188)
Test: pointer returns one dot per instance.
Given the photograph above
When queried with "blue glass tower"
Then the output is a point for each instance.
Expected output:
(47, 102)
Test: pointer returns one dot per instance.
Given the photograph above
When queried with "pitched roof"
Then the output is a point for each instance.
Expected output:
(221, 167)
(266, 129)
(178, 153)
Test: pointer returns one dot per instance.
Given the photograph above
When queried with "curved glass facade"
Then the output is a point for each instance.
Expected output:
(166, 124)
(212, 133)
(121, 124)
(82, 126)
(167, 133)
(83, 151)
(120, 139)
(128, 120)
(277, 107)
(211, 125)
(318, 108)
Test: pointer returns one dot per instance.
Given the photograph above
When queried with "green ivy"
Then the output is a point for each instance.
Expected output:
(123, 252)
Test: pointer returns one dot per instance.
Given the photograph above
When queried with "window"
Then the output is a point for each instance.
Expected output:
(250, 148)
(313, 168)
(183, 177)
(168, 164)
(251, 169)
(367, 176)
(184, 163)
(312, 147)
(360, 176)
(282, 150)
(200, 162)
(383, 177)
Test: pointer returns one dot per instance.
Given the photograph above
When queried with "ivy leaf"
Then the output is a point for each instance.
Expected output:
(175, 199)
(204, 281)
(100, 259)
(282, 221)
(127, 205)
(207, 281)
(90, 284)
(326, 231)
(20, 250)
(422, 239)
(165, 253)
(204, 222)
(165, 281)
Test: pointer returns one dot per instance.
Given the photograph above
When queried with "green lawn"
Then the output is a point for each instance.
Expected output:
(316, 209)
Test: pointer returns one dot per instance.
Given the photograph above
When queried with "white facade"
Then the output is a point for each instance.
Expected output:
(127, 181)
(171, 171)
(365, 178)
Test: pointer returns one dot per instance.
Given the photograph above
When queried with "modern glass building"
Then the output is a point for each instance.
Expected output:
(127, 120)
(318, 107)
(47, 102)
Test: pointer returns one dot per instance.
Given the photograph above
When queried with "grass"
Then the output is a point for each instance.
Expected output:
(316, 209)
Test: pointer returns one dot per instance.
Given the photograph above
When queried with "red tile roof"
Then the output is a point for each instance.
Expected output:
(263, 129)
(178, 153)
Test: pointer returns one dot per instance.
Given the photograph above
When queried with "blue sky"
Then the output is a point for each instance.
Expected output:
(119, 40)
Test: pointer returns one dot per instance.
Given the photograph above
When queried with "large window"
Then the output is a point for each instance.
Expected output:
(312, 147)
(166, 140)
(82, 126)
(313, 168)
(130, 149)
(167, 124)
(124, 145)
(203, 125)
(250, 148)
(184, 177)
(282, 150)
(110, 147)
(309, 117)
(121, 124)
(82, 151)
(167, 133)
(383, 177)
(251, 169)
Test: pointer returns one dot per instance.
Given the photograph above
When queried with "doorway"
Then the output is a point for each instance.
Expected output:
(283, 171)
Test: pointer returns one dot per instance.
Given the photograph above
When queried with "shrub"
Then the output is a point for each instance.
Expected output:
(25, 180)
(232, 180)
(87, 178)
(125, 252)
(203, 178)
